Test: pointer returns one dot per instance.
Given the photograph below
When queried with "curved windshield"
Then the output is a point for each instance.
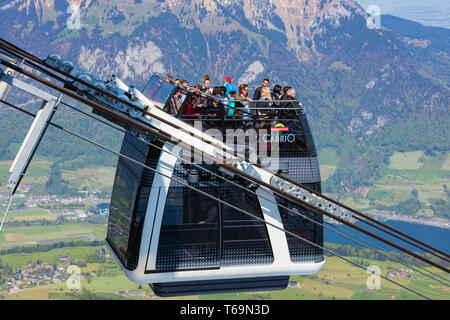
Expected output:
(158, 90)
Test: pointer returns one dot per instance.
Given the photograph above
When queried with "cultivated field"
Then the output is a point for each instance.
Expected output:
(407, 172)
(26, 234)
(337, 280)
(92, 179)
(328, 162)
(30, 215)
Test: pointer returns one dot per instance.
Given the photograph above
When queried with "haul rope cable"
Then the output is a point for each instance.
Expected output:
(29, 56)
(200, 167)
(311, 191)
(289, 209)
(231, 206)
(108, 111)
(284, 177)
(295, 212)
(146, 128)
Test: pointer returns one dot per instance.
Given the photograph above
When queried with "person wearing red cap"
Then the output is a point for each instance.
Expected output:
(229, 86)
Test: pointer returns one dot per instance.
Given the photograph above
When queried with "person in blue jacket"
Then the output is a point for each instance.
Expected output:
(229, 86)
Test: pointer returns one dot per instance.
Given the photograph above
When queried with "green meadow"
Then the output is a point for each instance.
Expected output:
(408, 172)
(30, 214)
(328, 161)
(406, 160)
(12, 235)
(338, 280)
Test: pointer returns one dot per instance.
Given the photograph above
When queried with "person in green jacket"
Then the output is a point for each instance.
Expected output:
(231, 103)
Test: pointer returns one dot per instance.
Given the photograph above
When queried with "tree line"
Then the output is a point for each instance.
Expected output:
(44, 247)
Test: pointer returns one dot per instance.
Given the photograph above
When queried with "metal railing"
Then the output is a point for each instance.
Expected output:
(224, 100)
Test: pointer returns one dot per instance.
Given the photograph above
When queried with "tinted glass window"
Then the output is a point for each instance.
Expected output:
(189, 236)
(158, 90)
(121, 211)
(244, 239)
(135, 231)
(198, 232)
(299, 250)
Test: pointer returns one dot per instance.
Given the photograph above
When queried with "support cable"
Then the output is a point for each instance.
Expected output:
(231, 206)
(367, 245)
(363, 219)
(148, 128)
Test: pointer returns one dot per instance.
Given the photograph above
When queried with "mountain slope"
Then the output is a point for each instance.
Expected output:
(361, 86)
(427, 45)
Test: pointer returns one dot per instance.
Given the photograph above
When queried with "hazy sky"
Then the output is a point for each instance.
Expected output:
(427, 12)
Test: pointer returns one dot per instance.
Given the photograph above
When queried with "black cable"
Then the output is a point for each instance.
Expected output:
(148, 128)
(313, 192)
(223, 202)
(422, 258)
(246, 189)
(297, 213)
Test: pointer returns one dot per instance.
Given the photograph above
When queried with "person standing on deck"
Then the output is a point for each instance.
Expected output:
(257, 94)
(229, 86)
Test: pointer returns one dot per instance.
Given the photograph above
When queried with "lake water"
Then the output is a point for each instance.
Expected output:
(438, 238)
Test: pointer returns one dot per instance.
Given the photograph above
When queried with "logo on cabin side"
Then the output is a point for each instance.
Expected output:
(279, 127)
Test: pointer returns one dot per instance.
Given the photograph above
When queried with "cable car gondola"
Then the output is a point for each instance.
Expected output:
(182, 242)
